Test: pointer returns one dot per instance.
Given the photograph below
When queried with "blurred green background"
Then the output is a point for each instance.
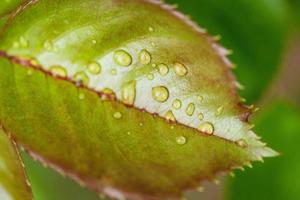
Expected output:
(264, 36)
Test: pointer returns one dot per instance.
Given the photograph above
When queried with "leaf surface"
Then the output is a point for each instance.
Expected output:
(93, 89)
(13, 181)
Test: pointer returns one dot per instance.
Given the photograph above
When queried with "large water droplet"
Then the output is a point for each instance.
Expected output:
(207, 128)
(122, 58)
(128, 92)
(190, 109)
(170, 116)
(81, 78)
(144, 57)
(176, 104)
(160, 93)
(180, 69)
(58, 71)
(163, 69)
(94, 68)
(117, 115)
(181, 140)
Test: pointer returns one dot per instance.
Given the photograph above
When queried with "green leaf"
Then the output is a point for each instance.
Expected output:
(48, 185)
(13, 183)
(6, 6)
(257, 32)
(93, 89)
(278, 178)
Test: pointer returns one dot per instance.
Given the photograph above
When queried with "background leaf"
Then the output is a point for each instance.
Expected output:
(256, 31)
(279, 178)
(13, 183)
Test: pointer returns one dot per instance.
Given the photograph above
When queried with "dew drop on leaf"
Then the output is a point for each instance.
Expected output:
(180, 69)
(160, 93)
(117, 115)
(151, 29)
(163, 69)
(181, 140)
(81, 78)
(150, 76)
(176, 104)
(170, 116)
(122, 58)
(200, 116)
(94, 68)
(207, 128)
(129, 92)
(190, 109)
(58, 71)
(144, 57)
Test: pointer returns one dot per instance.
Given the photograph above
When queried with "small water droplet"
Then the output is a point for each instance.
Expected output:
(94, 68)
(207, 128)
(141, 124)
(81, 78)
(24, 42)
(150, 76)
(163, 69)
(200, 116)
(160, 93)
(129, 92)
(151, 29)
(190, 109)
(48, 45)
(144, 57)
(122, 58)
(242, 143)
(219, 111)
(128, 133)
(200, 98)
(153, 65)
(181, 140)
(200, 189)
(172, 127)
(81, 95)
(176, 104)
(114, 72)
(58, 71)
(170, 116)
(180, 69)
(117, 115)
(94, 41)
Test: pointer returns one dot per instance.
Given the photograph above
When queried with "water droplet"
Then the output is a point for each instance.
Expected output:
(219, 111)
(151, 29)
(172, 127)
(181, 140)
(114, 72)
(180, 69)
(170, 116)
(150, 76)
(190, 109)
(153, 65)
(242, 143)
(144, 57)
(200, 116)
(122, 58)
(200, 189)
(141, 124)
(128, 133)
(58, 71)
(94, 41)
(207, 128)
(81, 95)
(200, 98)
(81, 78)
(176, 104)
(23, 42)
(94, 68)
(160, 93)
(128, 92)
(48, 45)
(163, 69)
(117, 115)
